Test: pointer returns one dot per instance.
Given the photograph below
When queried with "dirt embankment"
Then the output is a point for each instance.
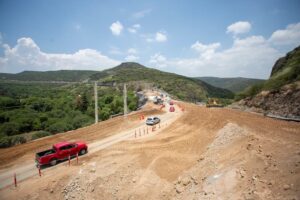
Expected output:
(284, 102)
(205, 154)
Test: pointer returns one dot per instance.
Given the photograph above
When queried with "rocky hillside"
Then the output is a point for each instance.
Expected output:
(280, 94)
(182, 87)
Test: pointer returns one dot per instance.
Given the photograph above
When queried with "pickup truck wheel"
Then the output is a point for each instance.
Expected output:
(82, 151)
(53, 162)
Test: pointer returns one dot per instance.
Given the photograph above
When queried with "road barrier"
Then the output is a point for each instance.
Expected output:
(69, 159)
(39, 169)
(153, 128)
(15, 179)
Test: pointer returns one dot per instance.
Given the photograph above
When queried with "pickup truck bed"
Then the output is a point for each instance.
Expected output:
(44, 153)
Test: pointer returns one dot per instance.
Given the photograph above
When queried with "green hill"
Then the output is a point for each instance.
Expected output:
(235, 85)
(279, 96)
(61, 75)
(179, 86)
(286, 70)
(182, 87)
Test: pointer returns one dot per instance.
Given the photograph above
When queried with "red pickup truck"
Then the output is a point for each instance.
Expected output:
(60, 151)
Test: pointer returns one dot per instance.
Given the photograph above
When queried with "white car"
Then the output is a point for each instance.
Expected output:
(152, 120)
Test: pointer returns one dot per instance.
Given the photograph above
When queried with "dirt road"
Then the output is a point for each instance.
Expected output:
(25, 171)
(204, 154)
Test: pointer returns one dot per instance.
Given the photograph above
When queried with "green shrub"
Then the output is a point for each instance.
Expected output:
(80, 121)
(104, 113)
(8, 141)
(5, 142)
(40, 134)
(10, 128)
(18, 139)
(58, 127)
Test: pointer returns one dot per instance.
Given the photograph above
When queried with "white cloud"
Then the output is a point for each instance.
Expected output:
(249, 57)
(239, 27)
(134, 28)
(116, 28)
(288, 36)
(131, 58)
(158, 60)
(157, 37)
(141, 14)
(205, 50)
(132, 51)
(26, 55)
(160, 37)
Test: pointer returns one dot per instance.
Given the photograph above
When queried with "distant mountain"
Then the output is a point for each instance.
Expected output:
(182, 87)
(280, 94)
(233, 84)
(61, 75)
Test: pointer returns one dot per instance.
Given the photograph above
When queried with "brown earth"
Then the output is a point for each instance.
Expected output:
(284, 102)
(207, 153)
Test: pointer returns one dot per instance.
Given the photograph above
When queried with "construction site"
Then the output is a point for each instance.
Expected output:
(195, 152)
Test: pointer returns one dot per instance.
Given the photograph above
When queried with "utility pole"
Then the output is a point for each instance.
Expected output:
(125, 100)
(96, 102)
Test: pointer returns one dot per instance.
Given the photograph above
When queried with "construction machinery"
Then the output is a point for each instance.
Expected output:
(214, 102)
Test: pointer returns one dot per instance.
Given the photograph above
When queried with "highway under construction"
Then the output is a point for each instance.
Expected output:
(194, 153)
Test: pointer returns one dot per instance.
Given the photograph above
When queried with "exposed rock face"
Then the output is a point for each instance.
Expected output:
(284, 102)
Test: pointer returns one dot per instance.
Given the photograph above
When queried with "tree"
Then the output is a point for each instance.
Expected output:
(10, 128)
(81, 102)
(105, 113)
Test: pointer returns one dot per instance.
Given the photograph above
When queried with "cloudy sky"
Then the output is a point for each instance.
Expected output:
(192, 38)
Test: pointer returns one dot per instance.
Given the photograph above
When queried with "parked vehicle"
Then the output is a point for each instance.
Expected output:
(152, 120)
(172, 109)
(60, 151)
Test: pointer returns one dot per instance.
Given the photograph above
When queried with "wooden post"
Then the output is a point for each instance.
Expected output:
(77, 158)
(69, 159)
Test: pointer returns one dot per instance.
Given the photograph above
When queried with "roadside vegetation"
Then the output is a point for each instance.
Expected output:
(33, 110)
